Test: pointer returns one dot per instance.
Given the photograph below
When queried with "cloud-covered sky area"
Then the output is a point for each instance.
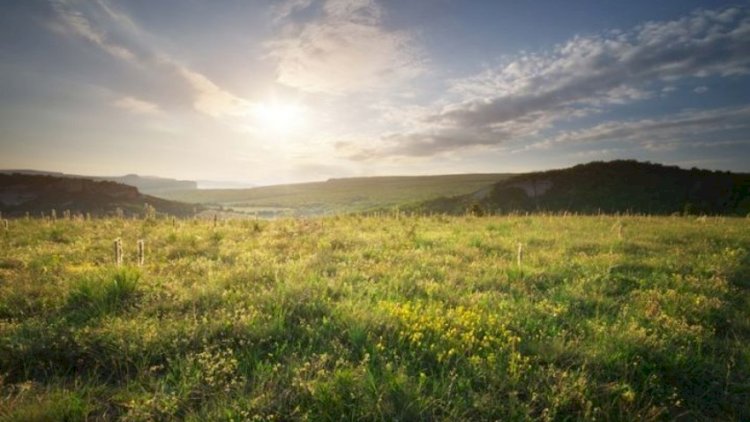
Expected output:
(265, 91)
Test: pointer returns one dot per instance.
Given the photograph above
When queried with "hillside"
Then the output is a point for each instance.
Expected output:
(150, 185)
(22, 193)
(616, 186)
(340, 195)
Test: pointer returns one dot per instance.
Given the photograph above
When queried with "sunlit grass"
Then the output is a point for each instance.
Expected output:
(625, 318)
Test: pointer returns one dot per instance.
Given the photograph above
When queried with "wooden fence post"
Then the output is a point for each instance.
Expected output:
(519, 258)
(118, 252)
(141, 252)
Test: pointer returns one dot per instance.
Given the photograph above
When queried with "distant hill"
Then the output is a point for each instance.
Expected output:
(223, 184)
(339, 195)
(616, 186)
(150, 185)
(21, 193)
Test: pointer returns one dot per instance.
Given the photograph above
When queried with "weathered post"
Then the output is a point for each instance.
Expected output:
(5, 224)
(118, 252)
(53, 214)
(519, 257)
(141, 252)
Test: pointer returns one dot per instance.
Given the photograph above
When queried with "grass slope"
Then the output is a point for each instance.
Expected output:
(423, 318)
(35, 194)
(611, 187)
(341, 195)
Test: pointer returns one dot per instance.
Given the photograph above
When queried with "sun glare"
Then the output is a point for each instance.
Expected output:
(279, 117)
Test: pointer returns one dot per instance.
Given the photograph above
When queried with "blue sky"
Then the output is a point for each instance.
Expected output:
(278, 91)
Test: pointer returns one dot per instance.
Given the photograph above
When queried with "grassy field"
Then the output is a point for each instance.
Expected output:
(340, 195)
(377, 318)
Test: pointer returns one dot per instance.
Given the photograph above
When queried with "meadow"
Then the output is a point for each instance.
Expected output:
(336, 196)
(377, 318)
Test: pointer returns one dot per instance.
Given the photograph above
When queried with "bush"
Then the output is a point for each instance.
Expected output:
(476, 210)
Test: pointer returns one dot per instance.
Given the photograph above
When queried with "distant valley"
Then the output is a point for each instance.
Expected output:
(354, 194)
(607, 187)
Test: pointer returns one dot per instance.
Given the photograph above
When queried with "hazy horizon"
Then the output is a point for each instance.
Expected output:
(240, 184)
(268, 92)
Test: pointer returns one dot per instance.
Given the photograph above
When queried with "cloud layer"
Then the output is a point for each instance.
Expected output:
(115, 33)
(136, 106)
(532, 92)
(374, 86)
(345, 49)
(690, 128)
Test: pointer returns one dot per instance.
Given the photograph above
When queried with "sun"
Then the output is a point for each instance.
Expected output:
(278, 117)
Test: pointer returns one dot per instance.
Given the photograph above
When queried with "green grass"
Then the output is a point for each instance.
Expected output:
(377, 318)
(340, 195)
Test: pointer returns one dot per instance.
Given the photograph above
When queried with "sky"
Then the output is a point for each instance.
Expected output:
(280, 91)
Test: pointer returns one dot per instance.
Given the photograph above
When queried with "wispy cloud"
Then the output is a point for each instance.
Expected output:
(344, 49)
(686, 128)
(701, 89)
(586, 74)
(134, 105)
(212, 100)
(118, 35)
(616, 67)
(283, 9)
(75, 21)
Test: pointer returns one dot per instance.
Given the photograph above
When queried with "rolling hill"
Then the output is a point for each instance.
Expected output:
(610, 187)
(339, 195)
(34, 193)
(150, 185)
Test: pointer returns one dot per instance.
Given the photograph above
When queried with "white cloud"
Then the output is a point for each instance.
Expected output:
(210, 99)
(95, 22)
(345, 50)
(608, 69)
(659, 134)
(581, 76)
(362, 11)
(136, 106)
(78, 23)
(284, 9)
(701, 89)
